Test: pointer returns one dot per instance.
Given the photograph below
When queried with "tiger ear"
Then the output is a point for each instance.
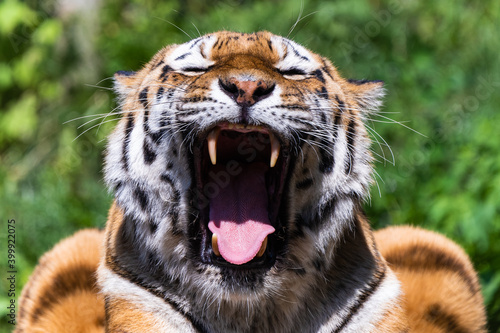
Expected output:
(368, 94)
(125, 82)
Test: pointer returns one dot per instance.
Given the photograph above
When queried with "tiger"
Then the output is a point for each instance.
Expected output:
(239, 169)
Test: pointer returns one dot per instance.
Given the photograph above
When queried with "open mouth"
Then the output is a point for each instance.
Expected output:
(240, 175)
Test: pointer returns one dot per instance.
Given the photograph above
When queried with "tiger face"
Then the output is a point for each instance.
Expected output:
(239, 162)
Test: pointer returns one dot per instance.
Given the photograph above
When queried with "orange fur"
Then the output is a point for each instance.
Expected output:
(395, 320)
(126, 317)
(62, 290)
(442, 292)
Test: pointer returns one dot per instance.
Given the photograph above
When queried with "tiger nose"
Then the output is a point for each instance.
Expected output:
(246, 92)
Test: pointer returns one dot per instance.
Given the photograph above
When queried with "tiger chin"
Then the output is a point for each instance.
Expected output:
(239, 168)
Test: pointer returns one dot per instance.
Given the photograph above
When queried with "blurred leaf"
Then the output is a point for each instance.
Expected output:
(21, 119)
(13, 13)
(48, 32)
(5, 76)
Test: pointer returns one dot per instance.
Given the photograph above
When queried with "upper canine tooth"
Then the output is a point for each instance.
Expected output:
(275, 149)
(212, 144)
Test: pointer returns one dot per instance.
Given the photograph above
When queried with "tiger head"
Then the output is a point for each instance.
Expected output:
(237, 164)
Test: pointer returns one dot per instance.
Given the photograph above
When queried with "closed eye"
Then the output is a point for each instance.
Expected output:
(196, 70)
(292, 71)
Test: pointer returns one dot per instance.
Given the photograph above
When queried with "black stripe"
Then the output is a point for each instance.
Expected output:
(126, 141)
(149, 154)
(421, 258)
(159, 93)
(270, 44)
(371, 288)
(143, 98)
(66, 283)
(446, 321)
(157, 136)
(220, 45)
(351, 133)
(336, 122)
(297, 53)
(183, 56)
(118, 186)
(141, 197)
(153, 226)
(327, 162)
(195, 42)
(319, 75)
(164, 72)
(326, 69)
(159, 63)
(304, 184)
(323, 93)
(340, 104)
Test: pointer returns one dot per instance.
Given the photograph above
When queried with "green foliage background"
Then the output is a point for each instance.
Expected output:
(439, 60)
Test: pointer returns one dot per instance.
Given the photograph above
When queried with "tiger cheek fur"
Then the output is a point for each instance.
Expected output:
(239, 167)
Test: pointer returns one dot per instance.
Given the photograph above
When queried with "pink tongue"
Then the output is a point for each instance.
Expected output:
(238, 214)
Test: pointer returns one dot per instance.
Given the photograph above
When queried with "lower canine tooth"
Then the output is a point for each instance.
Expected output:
(215, 246)
(262, 248)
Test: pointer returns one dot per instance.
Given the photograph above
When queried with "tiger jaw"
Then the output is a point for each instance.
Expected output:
(240, 175)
